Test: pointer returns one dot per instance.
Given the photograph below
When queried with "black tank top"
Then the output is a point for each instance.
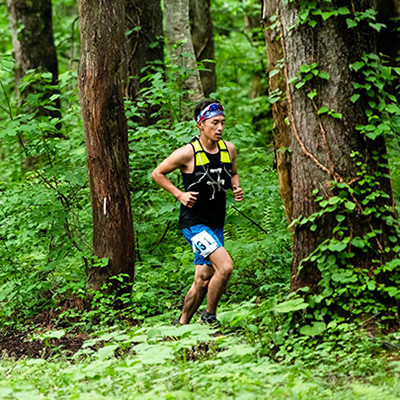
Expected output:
(212, 179)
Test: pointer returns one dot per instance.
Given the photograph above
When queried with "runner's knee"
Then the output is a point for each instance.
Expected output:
(202, 280)
(225, 269)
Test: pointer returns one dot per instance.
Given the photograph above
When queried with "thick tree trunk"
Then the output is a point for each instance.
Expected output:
(281, 131)
(177, 29)
(203, 42)
(32, 36)
(321, 146)
(145, 48)
(100, 83)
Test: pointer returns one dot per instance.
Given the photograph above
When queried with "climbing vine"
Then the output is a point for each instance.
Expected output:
(366, 225)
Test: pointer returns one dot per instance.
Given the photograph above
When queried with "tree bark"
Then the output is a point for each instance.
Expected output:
(101, 72)
(32, 37)
(321, 146)
(281, 130)
(202, 29)
(177, 29)
(145, 48)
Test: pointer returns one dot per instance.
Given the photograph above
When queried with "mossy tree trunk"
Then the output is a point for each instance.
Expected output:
(177, 29)
(145, 49)
(33, 43)
(281, 130)
(101, 72)
(322, 146)
(202, 30)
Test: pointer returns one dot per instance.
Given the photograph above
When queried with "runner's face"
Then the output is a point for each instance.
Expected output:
(212, 128)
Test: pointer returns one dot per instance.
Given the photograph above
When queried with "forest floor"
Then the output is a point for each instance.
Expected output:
(19, 345)
(160, 361)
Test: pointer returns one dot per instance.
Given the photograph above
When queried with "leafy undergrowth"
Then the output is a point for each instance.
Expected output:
(160, 361)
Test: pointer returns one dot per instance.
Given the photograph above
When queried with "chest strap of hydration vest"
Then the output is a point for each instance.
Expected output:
(201, 157)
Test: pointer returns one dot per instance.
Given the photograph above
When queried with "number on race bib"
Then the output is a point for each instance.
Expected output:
(204, 244)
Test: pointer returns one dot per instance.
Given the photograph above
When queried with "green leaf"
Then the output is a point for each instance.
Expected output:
(291, 305)
(393, 109)
(355, 97)
(305, 68)
(350, 205)
(334, 200)
(107, 351)
(312, 94)
(323, 110)
(312, 23)
(351, 23)
(324, 75)
(377, 26)
(340, 218)
(337, 246)
(315, 329)
(337, 115)
(343, 11)
(357, 65)
(358, 242)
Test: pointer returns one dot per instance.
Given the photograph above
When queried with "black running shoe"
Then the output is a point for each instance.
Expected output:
(209, 319)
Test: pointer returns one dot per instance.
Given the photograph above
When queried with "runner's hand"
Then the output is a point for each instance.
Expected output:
(188, 199)
(238, 192)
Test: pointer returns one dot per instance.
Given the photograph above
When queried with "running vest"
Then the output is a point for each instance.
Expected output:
(212, 179)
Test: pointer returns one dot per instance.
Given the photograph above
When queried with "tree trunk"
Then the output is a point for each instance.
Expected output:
(177, 29)
(32, 37)
(101, 72)
(145, 48)
(321, 145)
(203, 42)
(281, 131)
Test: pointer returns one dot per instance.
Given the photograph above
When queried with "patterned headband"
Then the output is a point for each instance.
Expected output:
(211, 111)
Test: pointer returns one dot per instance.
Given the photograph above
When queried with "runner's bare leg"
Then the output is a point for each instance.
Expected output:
(223, 267)
(197, 292)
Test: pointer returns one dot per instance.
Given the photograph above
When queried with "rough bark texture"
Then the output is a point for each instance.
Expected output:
(33, 44)
(281, 132)
(145, 24)
(203, 42)
(100, 84)
(177, 29)
(330, 141)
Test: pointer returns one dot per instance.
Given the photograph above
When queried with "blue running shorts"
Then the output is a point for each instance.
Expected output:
(204, 241)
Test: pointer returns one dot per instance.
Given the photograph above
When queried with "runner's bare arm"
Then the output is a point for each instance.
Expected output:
(237, 190)
(179, 159)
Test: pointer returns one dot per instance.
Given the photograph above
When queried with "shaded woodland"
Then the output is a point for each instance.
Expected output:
(93, 267)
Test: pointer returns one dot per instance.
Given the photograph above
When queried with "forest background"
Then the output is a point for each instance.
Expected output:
(311, 311)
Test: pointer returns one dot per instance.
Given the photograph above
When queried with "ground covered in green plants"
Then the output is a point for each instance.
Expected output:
(59, 340)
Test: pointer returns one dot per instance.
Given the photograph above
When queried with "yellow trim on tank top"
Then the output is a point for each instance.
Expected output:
(201, 157)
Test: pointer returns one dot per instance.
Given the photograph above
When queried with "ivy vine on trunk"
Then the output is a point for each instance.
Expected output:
(340, 113)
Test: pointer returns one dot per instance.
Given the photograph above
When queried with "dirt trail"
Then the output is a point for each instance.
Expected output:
(20, 345)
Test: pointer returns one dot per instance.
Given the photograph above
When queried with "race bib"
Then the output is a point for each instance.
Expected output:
(204, 244)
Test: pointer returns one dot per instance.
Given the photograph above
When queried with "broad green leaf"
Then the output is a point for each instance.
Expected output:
(357, 65)
(351, 23)
(315, 329)
(290, 306)
(324, 75)
(323, 110)
(305, 68)
(350, 205)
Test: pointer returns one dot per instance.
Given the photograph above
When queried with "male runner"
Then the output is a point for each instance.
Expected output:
(208, 166)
